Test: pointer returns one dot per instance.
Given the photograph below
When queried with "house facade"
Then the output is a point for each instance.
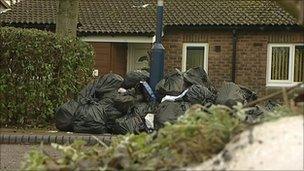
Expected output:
(255, 65)
(255, 43)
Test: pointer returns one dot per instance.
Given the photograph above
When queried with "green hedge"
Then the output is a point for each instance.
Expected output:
(39, 72)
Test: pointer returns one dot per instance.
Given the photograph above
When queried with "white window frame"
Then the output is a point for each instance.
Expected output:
(184, 55)
(281, 83)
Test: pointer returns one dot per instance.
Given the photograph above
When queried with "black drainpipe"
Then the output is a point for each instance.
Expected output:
(233, 60)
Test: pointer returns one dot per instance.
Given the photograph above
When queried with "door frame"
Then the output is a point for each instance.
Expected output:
(130, 54)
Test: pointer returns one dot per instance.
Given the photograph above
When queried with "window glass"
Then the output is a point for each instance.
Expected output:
(280, 63)
(195, 57)
(299, 64)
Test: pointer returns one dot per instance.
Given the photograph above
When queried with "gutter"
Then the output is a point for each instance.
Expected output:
(233, 59)
(294, 27)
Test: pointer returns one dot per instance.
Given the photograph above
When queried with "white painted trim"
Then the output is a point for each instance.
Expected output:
(129, 57)
(269, 62)
(281, 83)
(184, 55)
(122, 39)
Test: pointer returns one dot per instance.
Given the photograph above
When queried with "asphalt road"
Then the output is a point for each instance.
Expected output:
(12, 155)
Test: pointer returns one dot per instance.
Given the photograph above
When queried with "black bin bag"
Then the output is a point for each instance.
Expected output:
(88, 91)
(129, 124)
(248, 94)
(102, 85)
(133, 78)
(169, 111)
(142, 109)
(123, 101)
(90, 117)
(111, 113)
(198, 94)
(65, 115)
(198, 76)
(271, 105)
(172, 84)
(229, 94)
(108, 83)
(255, 113)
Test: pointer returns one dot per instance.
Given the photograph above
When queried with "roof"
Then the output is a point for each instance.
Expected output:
(139, 16)
(4, 4)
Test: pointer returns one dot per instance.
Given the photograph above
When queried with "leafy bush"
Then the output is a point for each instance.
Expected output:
(193, 139)
(196, 137)
(39, 71)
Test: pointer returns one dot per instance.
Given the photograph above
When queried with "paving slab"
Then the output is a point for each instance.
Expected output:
(15, 144)
(12, 155)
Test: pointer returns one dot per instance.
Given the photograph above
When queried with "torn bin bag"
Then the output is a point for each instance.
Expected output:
(229, 94)
(172, 84)
(169, 111)
(198, 94)
(64, 116)
(198, 76)
(90, 117)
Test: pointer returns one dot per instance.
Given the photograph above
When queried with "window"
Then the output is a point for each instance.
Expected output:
(195, 55)
(285, 64)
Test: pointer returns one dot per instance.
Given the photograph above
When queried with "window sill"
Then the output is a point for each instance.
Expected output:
(279, 85)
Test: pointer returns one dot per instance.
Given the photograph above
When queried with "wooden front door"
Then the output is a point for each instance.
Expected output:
(119, 58)
(102, 57)
(110, 57)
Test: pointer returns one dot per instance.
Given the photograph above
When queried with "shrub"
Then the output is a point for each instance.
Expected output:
(39, 72)
(193, 139)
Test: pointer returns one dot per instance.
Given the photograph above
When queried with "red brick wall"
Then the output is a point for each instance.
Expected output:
(252, 60)
(251, 53)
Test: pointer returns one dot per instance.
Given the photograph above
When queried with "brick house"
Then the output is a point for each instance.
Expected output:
(255, 43)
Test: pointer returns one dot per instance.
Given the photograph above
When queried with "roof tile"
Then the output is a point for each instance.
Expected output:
(130, 16)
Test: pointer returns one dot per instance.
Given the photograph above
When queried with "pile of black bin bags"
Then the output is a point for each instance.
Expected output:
(116, 105)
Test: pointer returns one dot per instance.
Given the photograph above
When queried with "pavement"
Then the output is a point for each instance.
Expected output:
(12, 155)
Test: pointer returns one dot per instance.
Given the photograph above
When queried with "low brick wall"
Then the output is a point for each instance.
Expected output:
(48, 139)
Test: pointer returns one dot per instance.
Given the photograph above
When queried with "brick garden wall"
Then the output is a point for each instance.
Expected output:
(251, 53)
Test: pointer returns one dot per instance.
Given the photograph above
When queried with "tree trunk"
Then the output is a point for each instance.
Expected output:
(67, 17)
